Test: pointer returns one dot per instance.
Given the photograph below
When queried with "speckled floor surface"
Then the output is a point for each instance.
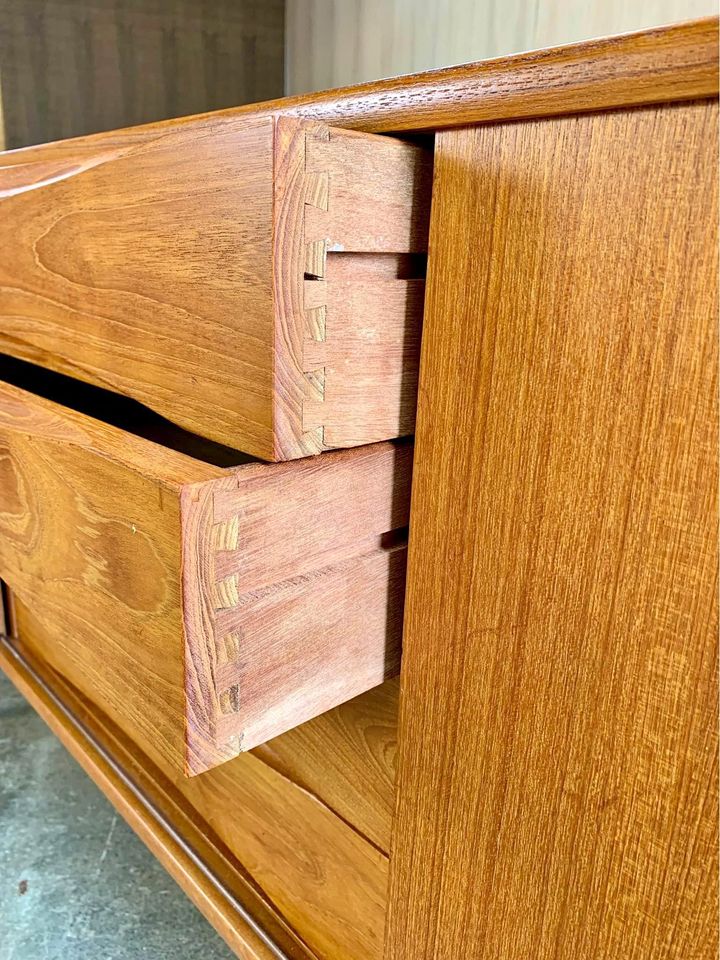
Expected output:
(75, 881)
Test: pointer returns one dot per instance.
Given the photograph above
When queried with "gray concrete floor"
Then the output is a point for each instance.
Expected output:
(75, 881)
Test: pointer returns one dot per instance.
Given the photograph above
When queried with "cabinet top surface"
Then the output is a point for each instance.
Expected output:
(663, 64)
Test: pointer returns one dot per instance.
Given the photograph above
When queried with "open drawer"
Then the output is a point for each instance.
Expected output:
(259, 282)
(204, 609)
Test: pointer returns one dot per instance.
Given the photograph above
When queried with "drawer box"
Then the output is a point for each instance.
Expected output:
(278, 586)
(257, 281)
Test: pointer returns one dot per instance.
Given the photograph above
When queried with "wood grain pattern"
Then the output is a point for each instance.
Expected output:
(171, 267)
(356, 778)
(369, 359)
(276, 827)
(90, 535)
(558, 747)
(286, 581)
(666, 64)
(132, 268)
(293, 587)
(339, 192)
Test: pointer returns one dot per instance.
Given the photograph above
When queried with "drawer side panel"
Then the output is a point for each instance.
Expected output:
(293, 584)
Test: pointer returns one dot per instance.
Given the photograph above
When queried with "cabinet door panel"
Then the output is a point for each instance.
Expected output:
(558, 736)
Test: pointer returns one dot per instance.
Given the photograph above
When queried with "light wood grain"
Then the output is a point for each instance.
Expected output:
(275, 826)
(90, 523)
(145, 267)
(293, 587)
(90, 535)
(557, 791)
(339, 192)
(170, 267)
(378, 192)
(356, 777)
(286, 581)
(369, 360)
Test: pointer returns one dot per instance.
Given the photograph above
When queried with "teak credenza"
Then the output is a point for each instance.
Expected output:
(233, 487)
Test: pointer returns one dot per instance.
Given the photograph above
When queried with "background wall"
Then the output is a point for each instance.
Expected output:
(69, 67)
(334, 42)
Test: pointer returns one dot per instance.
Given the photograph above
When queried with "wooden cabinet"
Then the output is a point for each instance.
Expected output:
(254, 280)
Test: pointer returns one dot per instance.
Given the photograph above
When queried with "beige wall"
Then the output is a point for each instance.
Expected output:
(334, 42)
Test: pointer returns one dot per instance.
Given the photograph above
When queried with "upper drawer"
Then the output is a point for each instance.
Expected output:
(204, 609)
(259, 281)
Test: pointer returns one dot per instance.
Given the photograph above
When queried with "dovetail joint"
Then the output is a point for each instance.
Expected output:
(317, 196)
(225, 535)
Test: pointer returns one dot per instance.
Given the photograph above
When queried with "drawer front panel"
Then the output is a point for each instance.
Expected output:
(283, 583)
(188, 268)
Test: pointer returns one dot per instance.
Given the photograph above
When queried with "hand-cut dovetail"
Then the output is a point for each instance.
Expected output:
(315, 294)
(313, 414)
(316, 225)
(316, 380)
(313, 409)
(229, 700)
(225, 593)
(228, 647)
(316, 318)
(315, 258)
(317, 189)
(320, 583)
(314, 355)
(225, 534)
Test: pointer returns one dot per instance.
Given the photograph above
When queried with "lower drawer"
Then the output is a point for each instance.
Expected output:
(204, 609)
(292, 836)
